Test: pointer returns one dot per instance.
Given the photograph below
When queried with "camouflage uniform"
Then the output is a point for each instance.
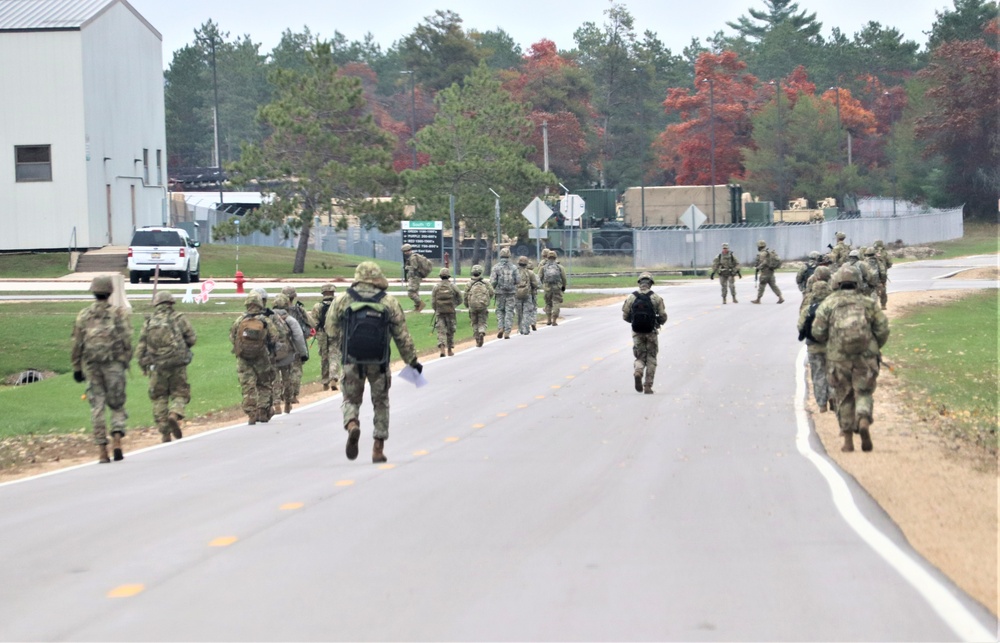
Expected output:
(479, 318)
(728, 268)
(553, 286)
(505, 298)
(645, 346)
(869, 280)
(168, 385)
(885, 261)
(852, 377)
(523, 307)
(806, 271)
(287, 390)
(413, 277)
(840, 251)
(444, 311)
(329, 353)
(816, 350)
(765, 275)
(102, 362)
(369, 282)
(298, 312)
(822, 274)
(256, 375)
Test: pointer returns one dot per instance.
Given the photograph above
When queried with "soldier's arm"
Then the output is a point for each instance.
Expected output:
(880, 327)
(456, 294)
(232, 331)
(489, 289)
(190, 336)
(465, 295)
(126, 325)
(562, 276)
(332, 326)
(821, 324)
(400, 333)
(661, 311)
(627, 308)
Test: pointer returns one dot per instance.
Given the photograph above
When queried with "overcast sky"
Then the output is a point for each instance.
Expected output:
(528, 21)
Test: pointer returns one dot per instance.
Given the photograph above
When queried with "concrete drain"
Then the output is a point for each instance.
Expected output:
(28, 377)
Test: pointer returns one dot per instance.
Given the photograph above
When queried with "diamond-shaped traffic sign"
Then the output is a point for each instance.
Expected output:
(537, 213)
(693, 217)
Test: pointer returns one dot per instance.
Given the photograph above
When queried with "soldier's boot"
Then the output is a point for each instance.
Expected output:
(378, 451)
(277, 409)
(781, 300)
(102, 454)
(755, 301)
(174, 420)
(326, 386)
(420, 306)
(648, 389)
(533, 327)
(638, 382)
(833, 405)
(479, 340)
(866, 436)
(734, 299)
(441, 349)
(334, 385)
(451, 351)
(165, 436)
(288, 407)
(848, 442)
(500, 334)
(723, 301)
(506, 334)
(548, 320)
(252, 418)
(353, 435)
(116, 446)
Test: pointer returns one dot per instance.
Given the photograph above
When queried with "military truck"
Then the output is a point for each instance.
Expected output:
(664, 205)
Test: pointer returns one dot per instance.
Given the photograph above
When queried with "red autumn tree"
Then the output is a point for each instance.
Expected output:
(684, 148)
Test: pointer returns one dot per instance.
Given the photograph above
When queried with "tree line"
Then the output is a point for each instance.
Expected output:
(450, 112)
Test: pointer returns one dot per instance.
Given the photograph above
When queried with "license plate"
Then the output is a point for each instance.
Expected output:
(155, 255)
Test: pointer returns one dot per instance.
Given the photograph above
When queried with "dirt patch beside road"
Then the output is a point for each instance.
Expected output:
(987, 274)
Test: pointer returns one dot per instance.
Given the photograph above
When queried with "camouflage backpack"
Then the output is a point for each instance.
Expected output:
(551, 274)
(101, 338)
(424, 266)
(444, 298)
(165, 345)
(479, 296)
(506, 278)
(523, 290)
(284, 352)
(850, 327)
(295, 312)
(251, 337)
(773, 261)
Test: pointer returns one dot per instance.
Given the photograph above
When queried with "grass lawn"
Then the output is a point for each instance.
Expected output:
(39, 338)
(947, 358)
(978, 239)
(40, 265)
(220, 261)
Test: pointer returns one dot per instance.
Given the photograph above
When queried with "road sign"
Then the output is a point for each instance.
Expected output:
(426, 237)
(693, 238)
(693, 217)
(536, 233)
(572, 207)
(537, 213)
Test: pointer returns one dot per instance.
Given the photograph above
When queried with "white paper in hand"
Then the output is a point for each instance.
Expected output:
(411, 375)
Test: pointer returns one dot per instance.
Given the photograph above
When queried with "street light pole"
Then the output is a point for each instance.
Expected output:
(571, 217)
(215, 117)
(781, 149)
(496, 208)
(711, 134)
(893, 173)
(413, 114)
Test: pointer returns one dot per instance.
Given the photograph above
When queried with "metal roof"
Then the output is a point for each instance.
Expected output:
(57, 15)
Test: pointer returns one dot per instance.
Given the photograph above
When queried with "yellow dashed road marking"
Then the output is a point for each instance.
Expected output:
(344, 483)
(479, 426)
(386, 467)
(570, 377)
(290, 506)
(522, 406)
(598, 359)
(539, 397)
(555, 386)
(125, 591)
(223, 541)
(501, 415)
(420, 452)
(452, 439)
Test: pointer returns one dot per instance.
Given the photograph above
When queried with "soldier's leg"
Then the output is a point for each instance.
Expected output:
(114, 392)
(773, 282)
(639, 365)
(180, 391)
(865, 380)
(521, 310)
(652, 350)
(557, 298)
(883, 295)
(95, 397)
(413, 292)
(248, 387)
(266, 376)
(817, 368)
(761, 285)
(324, 360)
(442, 334)
(450, 325)
(352, 387)
(159, 395)
(296, 377)
(533, 311)
(839, 376)
(335, 365)
(508, 314)
(548, 304)
(723, 279)
(380, 383)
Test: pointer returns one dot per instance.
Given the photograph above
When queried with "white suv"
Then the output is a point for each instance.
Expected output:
(169, 248)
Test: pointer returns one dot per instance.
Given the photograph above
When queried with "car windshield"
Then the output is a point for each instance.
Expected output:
(160, 238)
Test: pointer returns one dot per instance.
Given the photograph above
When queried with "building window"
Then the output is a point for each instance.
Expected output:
(32, 163)
(159, 167)
(145, 166)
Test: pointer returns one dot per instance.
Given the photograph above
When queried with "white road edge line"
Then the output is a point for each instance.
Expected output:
(940, 599)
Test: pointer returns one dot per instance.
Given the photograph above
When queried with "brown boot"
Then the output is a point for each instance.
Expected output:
(353, 435)
(251, 418)
(335, 385)
(723, 302)
(288, 407)
(326, 386)
(734, 300)
(781, 300)
(638, 383)
(754, 301)
(165, 437)
(116, 446)
(174, 420)
(441, 350)
(276, 410)
(533, 327)
(866, 436)
(419, 306)
(848, 442)
(451, 352)
(555, 321)
(102, 454)
(648, 389)
(378, 455)
(479, 340)
(506, 335)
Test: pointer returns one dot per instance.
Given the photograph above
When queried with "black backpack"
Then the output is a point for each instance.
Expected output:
(323, 310)
(365, 330)
(807, 325)
(643, 313)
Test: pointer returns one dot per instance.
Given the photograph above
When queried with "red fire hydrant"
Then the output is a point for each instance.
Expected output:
(447, 260)
(239, 282)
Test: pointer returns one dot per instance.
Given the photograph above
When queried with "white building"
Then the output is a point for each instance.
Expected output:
(82, 135)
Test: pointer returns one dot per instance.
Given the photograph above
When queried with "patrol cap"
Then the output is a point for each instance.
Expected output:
(163, 297)
(328, 288)
(870, 251)
(253, 300)
(645, 276)
(823, 273)
(814, 255)
(369, 272)
(522, 261)
(477, 270)
(406, 247)
(725, 246)
(281, 301)
(505, 253)
(841, 236)
(845, 275)
(444, 273)
(262, 293)
(826, 259)
(289, 292)
(761, 244)
(102, 285)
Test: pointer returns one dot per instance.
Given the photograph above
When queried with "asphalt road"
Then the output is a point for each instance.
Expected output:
(531, 494)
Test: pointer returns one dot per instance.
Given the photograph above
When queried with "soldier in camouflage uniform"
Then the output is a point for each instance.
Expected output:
(816, 350)
(298, 312)
(840, 251)
(329, 353)
(806, 271)
(885, 261)
(524, 297)
(553, 281)
(728, 268)
(102, 350)
(869, 281)
(166, 365)
(478, 295)
(256, 374)
(645, 345)
(444, 298)
(504, 279)
(852, 365)
(369, 282)
(286, 390)
(823, 273)
(413, 277)
(765, 274)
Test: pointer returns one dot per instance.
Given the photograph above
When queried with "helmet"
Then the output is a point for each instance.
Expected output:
(846, 275)
(406, 248)
(163, 297)
(551, 254)
(328, 289)
(826, 260)
(725, 246)
(841, 236)
(281, 301)
(870, 251)
(643, 276)
(262, 293)
(368, 272)
(505, 253)
(444, 273)
(814, 255)
(761, 244)
(878, 243)
(820, 291)
(853, 254)
(522, 261)
(253, 300)
(477, 270)
(289, 292)
(823, 273)
(102, 285)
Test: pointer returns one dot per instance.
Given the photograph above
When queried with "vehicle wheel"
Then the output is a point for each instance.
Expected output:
(520, 250)
(145, 279)
(624, 245)
(186, 276)
(196, 275)
(600, 246)
(133, 276)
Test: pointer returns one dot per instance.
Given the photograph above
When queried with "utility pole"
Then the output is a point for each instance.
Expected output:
(711, 134)
(893, 175)
(413, 114)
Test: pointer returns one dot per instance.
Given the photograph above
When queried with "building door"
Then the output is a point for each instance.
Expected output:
(107, 191)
